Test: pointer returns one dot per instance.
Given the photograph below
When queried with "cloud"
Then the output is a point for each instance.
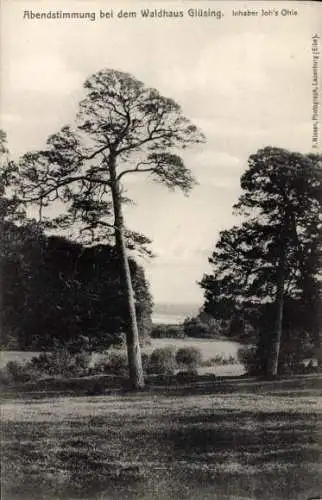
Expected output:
(10, 118)
(216, 168)
(45, 73)
(246, 83)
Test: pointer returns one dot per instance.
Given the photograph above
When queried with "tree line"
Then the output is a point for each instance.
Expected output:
(265, 279)
(266, 271)
(57, 292)
(264, 289)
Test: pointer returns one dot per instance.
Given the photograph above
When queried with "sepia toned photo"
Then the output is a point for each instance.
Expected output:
(160, 250)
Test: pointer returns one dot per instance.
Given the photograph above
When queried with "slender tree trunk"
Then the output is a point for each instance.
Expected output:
(1, 281)
(317, 333)
(272, 365)
(132, 333)
(318, 353)
(311, 298)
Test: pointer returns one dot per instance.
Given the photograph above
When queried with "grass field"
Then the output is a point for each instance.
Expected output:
(251, 440)
(209, 348)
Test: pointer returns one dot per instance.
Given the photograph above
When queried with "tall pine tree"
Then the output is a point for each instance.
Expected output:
(275, 253)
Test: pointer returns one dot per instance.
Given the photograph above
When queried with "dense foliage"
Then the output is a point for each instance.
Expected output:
(266, 270)
(204, 326)
(189, 357)
(64, 363)
(164, 331)
(121, 128)
(58, 291)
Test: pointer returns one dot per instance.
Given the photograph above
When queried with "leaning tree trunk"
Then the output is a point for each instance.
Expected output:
(272, 365)
(132, 333)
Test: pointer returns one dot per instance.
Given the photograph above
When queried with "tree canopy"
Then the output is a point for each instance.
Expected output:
(122, 128)
(275, 253)
(58, 291)
(119, 121)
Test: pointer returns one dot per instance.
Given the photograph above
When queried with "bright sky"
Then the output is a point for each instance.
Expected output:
(245, 81)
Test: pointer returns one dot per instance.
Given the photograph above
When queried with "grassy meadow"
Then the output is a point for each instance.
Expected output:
(246, 440)
(209, 349)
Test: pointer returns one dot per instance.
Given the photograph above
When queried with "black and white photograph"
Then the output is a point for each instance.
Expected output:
(160, 250)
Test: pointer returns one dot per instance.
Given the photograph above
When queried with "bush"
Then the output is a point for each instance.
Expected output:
(310, 367)
(218, 359)
(255, 360)
(4, 378)
(189, 357)
(115, 364)
(62, 362)
(98, 366)
(145, 361)
(163, 361)
(56, 363)
(77, 345)
(15, 372)
(83, 361)
(161, 331)
(208, 362)
(187, 376)
(248, 357)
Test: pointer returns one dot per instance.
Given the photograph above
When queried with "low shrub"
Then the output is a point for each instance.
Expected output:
(98, 366)
(145, 362)
(310, 367)
(187, 375)
(219, 360)
(163, 361)
(61, 362)
(161, 331)
(118, 363)
(82, 361)
(4, 378)
(208, 362)
(115, 363)
(255, 360)
(15, 372)
(248, 357)
(189, 357)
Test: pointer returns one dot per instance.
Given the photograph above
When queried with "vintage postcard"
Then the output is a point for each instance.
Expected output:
(160, 256)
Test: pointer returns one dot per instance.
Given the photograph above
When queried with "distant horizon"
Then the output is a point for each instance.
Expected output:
(174, 313)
